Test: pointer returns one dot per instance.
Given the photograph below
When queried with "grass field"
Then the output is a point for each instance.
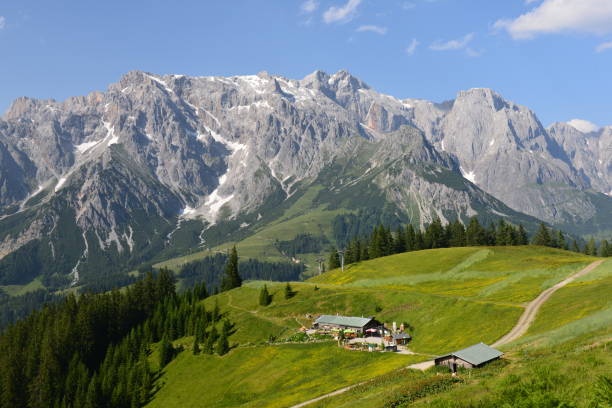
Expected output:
(509, 275)
(268, 376)
(563, 376)
(450, 298)
(581, 307)
(439, 322)
(17, 290)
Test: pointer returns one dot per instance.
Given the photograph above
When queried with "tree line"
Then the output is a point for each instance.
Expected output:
(94, 350)
(207, 270)
(382, 241)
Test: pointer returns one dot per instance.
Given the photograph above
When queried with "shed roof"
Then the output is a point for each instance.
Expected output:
(401, 336)
(343, 320)
(476, 354)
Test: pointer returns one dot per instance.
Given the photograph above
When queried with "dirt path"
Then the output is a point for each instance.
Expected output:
(530, 312)
(331, 394)
(517, 331)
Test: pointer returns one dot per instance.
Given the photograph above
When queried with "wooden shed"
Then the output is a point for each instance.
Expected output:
(473, 356)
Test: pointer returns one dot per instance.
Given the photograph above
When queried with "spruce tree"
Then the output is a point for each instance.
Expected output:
(591, 248)
(166, 352)
(222, 346)
(457, 234)
(232, 278)
(410, 238)
(542, 236)
(575, 247)
(475, 233)
(400, 240)
(264, 296)
(419, 242)
(288, 291)
(334, 259)
(196, 346)
(604, 249)
(561, 241)
(523, 238)
(209, 345)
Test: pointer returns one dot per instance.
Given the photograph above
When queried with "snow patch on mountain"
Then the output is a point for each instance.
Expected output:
(469, 175)
(60, 183)
(162, 83)
(83, 147)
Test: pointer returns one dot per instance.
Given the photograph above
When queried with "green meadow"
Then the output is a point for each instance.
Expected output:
(269, 376)
(449, 299)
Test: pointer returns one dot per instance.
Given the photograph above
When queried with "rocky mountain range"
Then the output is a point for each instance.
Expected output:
(100, 183)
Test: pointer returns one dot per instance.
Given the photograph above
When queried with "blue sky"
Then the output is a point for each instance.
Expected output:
(555, 56)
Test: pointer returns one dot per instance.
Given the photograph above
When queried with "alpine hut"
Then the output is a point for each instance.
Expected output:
(473, 356)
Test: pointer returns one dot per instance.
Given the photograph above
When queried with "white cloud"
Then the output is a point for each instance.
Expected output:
(603, 46)
(2, 22)
(309, 6)
(407, 5)
(412, 47)
(373, 29)
(343, 14)
(473, 53)
(583, 125)
(556, 16)
(457, 44)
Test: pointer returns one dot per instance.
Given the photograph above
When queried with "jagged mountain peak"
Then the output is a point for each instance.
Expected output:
(212, 149)
(484, 96)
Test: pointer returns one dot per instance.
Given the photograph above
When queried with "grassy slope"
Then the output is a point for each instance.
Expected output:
(507, 275)
(17, 290)
(567, 372)
(564, 351)
(432, 316)
(581, 307)
(270, 376)
(452, 298)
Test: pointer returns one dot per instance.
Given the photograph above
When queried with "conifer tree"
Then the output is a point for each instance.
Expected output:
(232, 278)
(288, 291)
(575, 247)
(209, 344)
(400, 240)
(166, 352)
(542, 236)
(523, 238)
(561, 241)
(264, 296)
(334, 259)
(410, 238)
(475, 234)
(222, 346)
(457, 234)
(591, 248)
(419, 242)
(196, 346)
(604, 249)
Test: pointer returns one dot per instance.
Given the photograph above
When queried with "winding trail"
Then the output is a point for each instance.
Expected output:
(530, 312)
(517, 331)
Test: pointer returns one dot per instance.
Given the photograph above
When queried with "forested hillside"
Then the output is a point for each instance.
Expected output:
(95, 350)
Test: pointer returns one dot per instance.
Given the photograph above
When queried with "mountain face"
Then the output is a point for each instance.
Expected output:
(590, 153)
(100, 183)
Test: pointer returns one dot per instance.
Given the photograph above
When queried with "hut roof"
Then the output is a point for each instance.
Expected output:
(343, 320)
(397, 336)
(476, 354)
